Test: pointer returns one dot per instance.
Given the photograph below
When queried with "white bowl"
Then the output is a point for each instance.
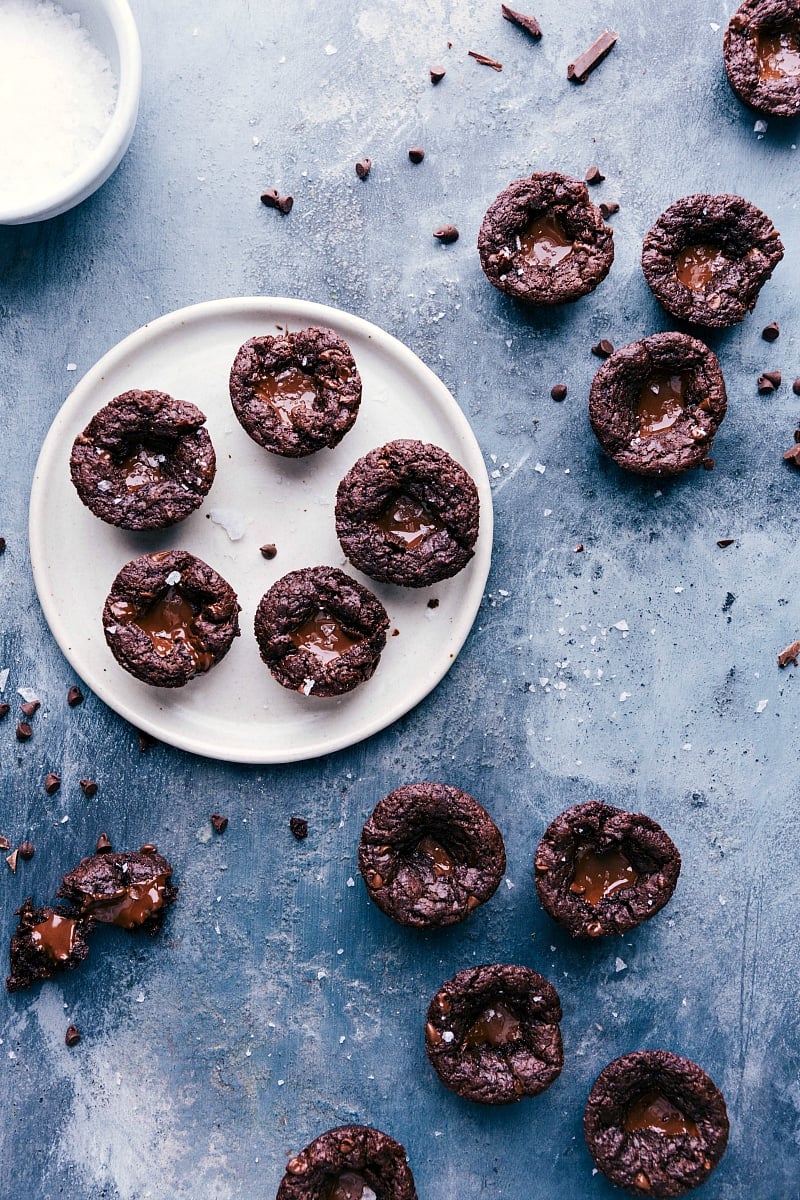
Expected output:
(112, 28)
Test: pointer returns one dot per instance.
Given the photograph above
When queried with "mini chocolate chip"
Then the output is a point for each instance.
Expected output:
(433, 602)
(796, 387)
(437, 74)
(24, 731)
(103, 844)
(608, 210)
(416, 154)
(774, 377)
(765, 386)
(446, 234)
(89, 788)
(2, 545)
(299, 827)
(578, 549)
(146, 742)
(594, 929)
(723, 543)
(72, 1036)
(27, 851)
(220, 823)
(285, 204)
(485, 61)
(52, 783)
(594, 175)
(642, 1181)
(269, 550)
(559, 391)
(148, 848)
(74, 696)
(395, 633)
(363, 167)
(375, 880)
(346, 1147)
(296, 1166)
(708, 464)
(30, 707)
(270, 197)
(771, 332)
(603, 349)
(5, 709)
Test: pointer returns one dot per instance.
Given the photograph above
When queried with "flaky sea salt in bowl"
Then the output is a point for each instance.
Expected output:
(70, 79)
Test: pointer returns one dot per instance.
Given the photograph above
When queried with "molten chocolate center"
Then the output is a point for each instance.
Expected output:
(322, 636)
(495, 1026)
(169, 621)
(287, 390)
(778, 54)
(599, 874)
(662, 400)
(654, 1111)
(544, 243)
(408, 520)
(140, 467)
(442, 861)
(55, 937)
(696, 266)
(348, 1185)
(133, 906)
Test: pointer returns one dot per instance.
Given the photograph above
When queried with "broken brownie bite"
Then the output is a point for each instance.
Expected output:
(130, 889)
(602, 870)
(320, 632)
(493, 1034)
(169, 617)
(655, 1124)
(46, 941)
(707, 258)
(352, 1162)
(761, 50)
(296, 393)
(430, 854)
(408, 513)
(144, 461)
(543, 241)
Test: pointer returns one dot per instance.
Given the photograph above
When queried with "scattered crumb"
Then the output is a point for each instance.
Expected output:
(789, 655)
(299, 827)
(219, 823)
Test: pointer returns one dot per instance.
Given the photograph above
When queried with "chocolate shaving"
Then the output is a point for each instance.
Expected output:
(789, 655)
(529, 24)
(485, 61)
(579, 70)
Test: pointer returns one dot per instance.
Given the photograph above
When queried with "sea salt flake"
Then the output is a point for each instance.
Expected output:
(678, 591)
(173, 578)
(624, 696)
(540, 468)
(231, 520)
(448, 1036)
(620, 965)
(622, 626)
(351, 882)
(72, 366)
(4, 678)
(28, 695)
(760, 126)
(329, 49)
(762, 704)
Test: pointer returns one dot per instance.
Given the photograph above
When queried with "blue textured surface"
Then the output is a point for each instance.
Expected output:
(278, 1002)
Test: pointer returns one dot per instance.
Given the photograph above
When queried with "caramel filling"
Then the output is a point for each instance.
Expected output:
(544, 243)
(55, 937)
(496, 1026)
(322, 636)
(140, 466)
(778, 54)
(654, 1111)
(133, 906)
(169, 621)
(349, 1185)
(696, 266)
(599, 874)
(409, 520)
(285, 391)
(442, 861)
(662, 400)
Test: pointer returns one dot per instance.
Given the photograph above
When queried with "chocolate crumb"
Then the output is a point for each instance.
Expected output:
(433, 602)
(608, 210)
(74, 696)
(103, 844)
(789, 655)
(580, 70)
(485, 61)
(529, 24)
(796, 387)
(774, 377)
(416, 154)
(89, 788)
(26, 851)
(765, 386)
(24, 731)
(559, 391)
(771, 332)
(603, 349)
(220, 823)
(5, 709)
(446, 234)
(579, 548)
(146, 742)
(363, 167)
(594, 175)
(269, 550)
(72, 1036)
(272, 198)
(5, 844)
(30, 707)
(723, 543)
(708, 464)
(52, 783)
(299, 827)
(12, 861)
(437, 75)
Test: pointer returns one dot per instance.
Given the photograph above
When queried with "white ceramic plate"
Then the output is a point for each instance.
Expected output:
(238, 712)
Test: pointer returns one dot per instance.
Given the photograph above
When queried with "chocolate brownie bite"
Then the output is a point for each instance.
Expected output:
(46, 941)
(602, 870)
(144, 461)
(430, 854)
(169, 617)
(408, 513)
(656, 405)
(352, 1162)
(320, 632)
(296, 393)
(655, 1123)
(130, 890)
(707, 258)
(493, 1034)
(761, 50)
(543, 241)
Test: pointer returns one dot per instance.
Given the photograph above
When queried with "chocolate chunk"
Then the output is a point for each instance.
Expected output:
(579, 70)
(723, 543)
(272, 198)
(607, 209)
(72, 1036)
(655, 1124)
(430, 854)
(130, 890)
(52, 783)
(12, 861)
(446, 234)
(493, 1035)
(5, 709)
(5, 844)
(296, 393)
(24, 731)
(761, 51)
(299, 827)
(347, 1163)
(416, 154)
(789, 655)
(30, 707)
(46, 941)
(485, 61)
(594, 176)
(771, 332)
(774, 378)
(103, 844)
(269, 550)
(363, 167)
(603, 349)
(437, 74)
(74, 696)
(529, 24)
(27, 851)
(88, 787)
(559, 391)
(600, 870)
(219, 823)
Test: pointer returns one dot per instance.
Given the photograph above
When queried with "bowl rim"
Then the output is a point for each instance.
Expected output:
(106, 156)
